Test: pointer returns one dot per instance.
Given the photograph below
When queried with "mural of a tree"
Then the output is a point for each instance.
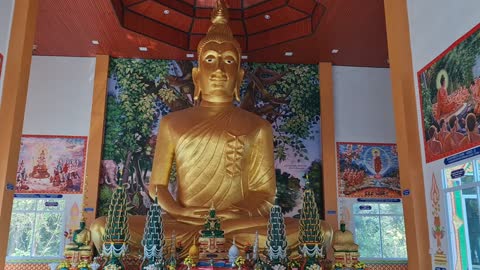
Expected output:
(142, 91)
(288, 97)
(132, 115)
(288, 190)
(315, 174)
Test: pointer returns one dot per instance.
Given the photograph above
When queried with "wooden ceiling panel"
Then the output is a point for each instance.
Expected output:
(280, 35)
(210, 3)
(179, 6)
(264, 8)
(156, 11)
(304, 5)
(277, 17)
(356, 28)
(249, 3)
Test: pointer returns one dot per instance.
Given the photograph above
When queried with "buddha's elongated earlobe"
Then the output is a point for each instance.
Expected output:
(198, 91)
(236, 90)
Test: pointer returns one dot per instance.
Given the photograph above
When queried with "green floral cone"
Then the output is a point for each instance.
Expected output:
(153, 238)
(276, 237)
(310, 235)
(116, 229)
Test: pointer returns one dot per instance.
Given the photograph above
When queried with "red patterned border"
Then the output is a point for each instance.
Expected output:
(27, 266)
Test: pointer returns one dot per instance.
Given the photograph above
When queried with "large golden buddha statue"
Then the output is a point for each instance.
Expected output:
(223, 154)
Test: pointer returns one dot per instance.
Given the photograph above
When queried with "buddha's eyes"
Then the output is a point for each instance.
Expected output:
(229, 61)
(209, 60)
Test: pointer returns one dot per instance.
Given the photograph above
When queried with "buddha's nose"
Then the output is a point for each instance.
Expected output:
(221, 66)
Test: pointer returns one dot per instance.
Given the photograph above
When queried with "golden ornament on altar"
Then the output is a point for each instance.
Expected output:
(344, 247)
(223, 155)
(81, 247)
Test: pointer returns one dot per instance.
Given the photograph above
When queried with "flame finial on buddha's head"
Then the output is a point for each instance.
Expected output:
(219, 31)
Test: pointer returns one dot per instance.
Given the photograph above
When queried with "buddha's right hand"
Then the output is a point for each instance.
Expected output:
(191, 215)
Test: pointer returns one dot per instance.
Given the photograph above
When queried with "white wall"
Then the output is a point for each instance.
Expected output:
(363, 113)
(6, 14)
(363, 105)
(434, 26)
(59, 99)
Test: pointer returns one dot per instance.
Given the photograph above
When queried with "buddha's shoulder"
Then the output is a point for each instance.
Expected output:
(244, 115)
(181, 114)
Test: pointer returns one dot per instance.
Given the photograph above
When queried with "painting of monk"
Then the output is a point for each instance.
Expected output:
(51, 164)
(450, 98)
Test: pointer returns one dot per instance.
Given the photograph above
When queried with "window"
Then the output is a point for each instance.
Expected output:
(36, 228)
(461, 187)
(380, 230)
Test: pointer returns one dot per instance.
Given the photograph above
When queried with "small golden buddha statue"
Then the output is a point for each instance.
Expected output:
(81, 247)
(344, 247)
(223, 154)
(343, 240)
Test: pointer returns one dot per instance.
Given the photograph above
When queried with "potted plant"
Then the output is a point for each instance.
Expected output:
(359, 266)
(239, 262)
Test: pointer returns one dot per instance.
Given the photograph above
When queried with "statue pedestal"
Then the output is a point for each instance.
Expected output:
(347, 258)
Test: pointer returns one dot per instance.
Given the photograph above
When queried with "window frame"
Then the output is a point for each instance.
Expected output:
(63, 217)
(379, 215)
(444, 195)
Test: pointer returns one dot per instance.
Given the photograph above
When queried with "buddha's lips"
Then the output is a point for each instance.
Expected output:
(221, 79)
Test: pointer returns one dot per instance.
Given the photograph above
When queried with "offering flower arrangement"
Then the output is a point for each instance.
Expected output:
(360, 265)
(189, 262)
(293, 264)
(314, 267)
(83, 265)
(64, 265)
(240, 261)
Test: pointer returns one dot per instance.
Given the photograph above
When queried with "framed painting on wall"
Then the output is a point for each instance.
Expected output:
(368, 170)
(450, 98)
(51, 164)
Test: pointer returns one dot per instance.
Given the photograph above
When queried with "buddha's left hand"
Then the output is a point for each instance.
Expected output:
(234, 213)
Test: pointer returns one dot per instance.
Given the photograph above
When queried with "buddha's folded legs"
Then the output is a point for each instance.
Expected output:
(243, 231)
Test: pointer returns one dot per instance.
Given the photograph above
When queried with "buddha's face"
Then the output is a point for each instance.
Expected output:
(218, 73)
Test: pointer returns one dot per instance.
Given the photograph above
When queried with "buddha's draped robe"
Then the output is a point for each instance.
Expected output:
(220, 160)
(222, 156)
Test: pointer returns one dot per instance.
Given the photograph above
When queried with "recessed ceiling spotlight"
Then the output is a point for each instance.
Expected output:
(95, 42)
(166, 12)
(143, 49)
(190, 55)
(335, 51)
(244, 56)
(267, 17)
(288, 53)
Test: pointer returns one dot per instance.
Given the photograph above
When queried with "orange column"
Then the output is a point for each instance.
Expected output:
(12, 108)
(328, 143)
(95, 138)
(408, 138)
